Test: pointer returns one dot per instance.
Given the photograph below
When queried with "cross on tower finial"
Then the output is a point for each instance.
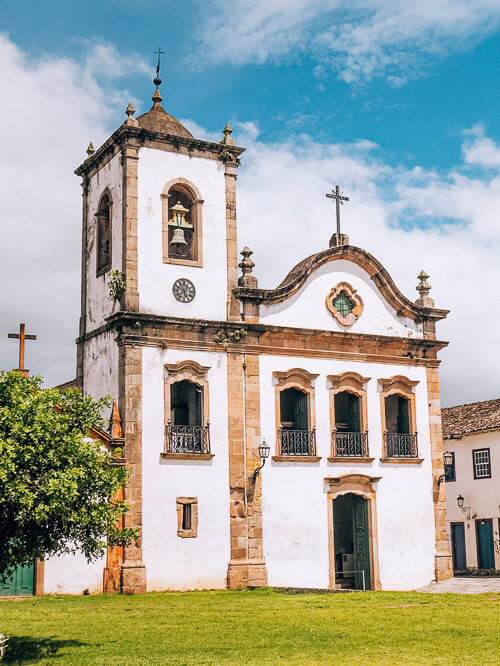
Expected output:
(157, 80)
(22, 336)
(338, 238)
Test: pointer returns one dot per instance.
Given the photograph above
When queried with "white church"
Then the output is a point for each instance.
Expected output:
(283, 437)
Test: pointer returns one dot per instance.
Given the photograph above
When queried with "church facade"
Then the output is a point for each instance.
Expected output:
(335, 369)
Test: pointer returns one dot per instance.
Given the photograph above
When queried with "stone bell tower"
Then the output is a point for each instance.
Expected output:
(159, 241)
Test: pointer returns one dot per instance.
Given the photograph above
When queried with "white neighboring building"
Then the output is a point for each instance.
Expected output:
(335, 368)
(472, 434)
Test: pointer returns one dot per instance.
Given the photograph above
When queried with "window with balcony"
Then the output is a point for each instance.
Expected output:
(295, 414)
(187, 428)
(348, 417)
(398, 419)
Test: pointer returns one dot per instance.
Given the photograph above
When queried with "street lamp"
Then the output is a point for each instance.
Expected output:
(448, 462)
(464, 509)
(264, 450)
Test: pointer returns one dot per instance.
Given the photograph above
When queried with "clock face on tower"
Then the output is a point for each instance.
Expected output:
(183, 290)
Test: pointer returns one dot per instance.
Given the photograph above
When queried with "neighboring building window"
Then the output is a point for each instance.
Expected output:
(187, 516)
(103, 218)
(295, 413)
(187, 428)
(182, 238)
(449, 473)
(481, 463)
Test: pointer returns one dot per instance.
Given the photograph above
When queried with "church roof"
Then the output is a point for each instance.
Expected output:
(158, 120)
(476, 416)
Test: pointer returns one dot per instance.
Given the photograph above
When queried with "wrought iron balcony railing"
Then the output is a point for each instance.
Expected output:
(350, 444)
(297, 442)
(400, 445)
(188, 439)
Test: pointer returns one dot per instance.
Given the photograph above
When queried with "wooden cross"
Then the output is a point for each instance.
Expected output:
(339, 200)
(21, 336)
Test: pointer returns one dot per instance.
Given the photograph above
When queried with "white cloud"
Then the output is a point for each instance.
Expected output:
(358, 39)
(51, 109)
(55, 108)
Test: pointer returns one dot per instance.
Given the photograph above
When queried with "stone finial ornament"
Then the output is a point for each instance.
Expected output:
(90, 149)
(130, 112)
(423, 289)
(227, 131)
(247, 279)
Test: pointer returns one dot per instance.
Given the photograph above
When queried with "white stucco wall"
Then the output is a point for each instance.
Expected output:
(100, 365)
(295, 512)
(156, 168)
(307, 309)
(98, 305)
(481, 495)
(174, 562)
(72, 574)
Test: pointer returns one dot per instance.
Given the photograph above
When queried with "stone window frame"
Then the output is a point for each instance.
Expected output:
(98, 216)
(302, 380)
(398, 385)
(190, 371)
(196, 221)
(180, 502)
(354, 383)
(481, 450)
(355, 313)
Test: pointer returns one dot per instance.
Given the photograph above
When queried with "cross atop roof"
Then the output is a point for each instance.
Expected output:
(338, 238)
(22, 336)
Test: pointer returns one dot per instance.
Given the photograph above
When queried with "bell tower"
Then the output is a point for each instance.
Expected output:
(158, 245)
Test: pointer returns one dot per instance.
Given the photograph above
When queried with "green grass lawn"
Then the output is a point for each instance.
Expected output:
(254, 627)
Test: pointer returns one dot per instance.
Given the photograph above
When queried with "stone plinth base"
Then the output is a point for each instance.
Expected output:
(246, 573)
(133, 580)
(339, 239)
(443, 567)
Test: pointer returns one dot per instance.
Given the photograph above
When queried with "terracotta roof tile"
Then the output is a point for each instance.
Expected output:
(475, 416)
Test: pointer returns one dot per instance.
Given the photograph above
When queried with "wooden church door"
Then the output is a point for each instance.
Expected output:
(485, 550)
(361, 542)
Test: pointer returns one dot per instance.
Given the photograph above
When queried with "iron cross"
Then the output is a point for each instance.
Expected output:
(159, 53)
(21, 336)
(339, 199)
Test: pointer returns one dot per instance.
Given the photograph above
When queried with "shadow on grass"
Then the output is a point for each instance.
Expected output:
(28, 650)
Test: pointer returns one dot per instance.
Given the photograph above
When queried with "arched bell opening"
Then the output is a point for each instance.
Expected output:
(103, 240)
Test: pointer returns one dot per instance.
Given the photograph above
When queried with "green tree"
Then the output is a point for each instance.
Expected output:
(56, 485)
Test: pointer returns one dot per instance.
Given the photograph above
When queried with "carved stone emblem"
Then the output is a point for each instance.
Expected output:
(344, 304)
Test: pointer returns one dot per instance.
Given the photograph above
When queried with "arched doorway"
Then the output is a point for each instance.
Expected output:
(351, 539)
(352, 531)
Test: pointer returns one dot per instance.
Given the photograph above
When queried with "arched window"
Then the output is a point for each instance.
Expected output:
(295, 414)
(349, 417)
(187, 429)
(347, 413)
(399, 418)
(182, 239)
(103, 218)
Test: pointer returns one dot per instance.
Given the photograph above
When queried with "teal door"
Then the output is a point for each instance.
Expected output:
(361, 542)
(19, 583)
(458, 542)
(485, 551)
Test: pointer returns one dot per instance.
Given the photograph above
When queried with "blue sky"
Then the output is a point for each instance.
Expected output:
(395, 101)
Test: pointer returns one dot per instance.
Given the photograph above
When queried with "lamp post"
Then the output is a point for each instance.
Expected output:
(264, 450)
(448, 462)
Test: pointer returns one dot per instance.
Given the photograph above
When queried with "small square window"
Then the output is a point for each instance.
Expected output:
(481, 463)
(187, 516)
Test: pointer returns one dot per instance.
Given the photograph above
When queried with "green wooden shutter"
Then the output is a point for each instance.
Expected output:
(354, 416)
(403, 417)
(301, 416)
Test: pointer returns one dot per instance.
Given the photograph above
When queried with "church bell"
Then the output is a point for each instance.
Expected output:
(178, 237)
